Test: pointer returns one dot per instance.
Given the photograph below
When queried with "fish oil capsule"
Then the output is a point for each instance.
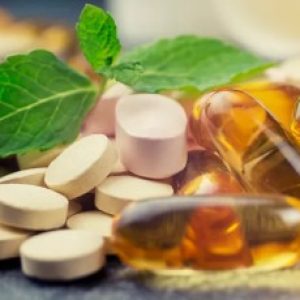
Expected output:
(251, 142)
(205, 173)
(278, 99)
(209, 233)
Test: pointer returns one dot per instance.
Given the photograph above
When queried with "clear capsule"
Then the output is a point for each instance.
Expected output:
(205, 173)
(209, 233)
(254, 145)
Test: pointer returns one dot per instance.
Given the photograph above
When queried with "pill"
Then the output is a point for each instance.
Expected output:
(38, 159)
(209, 232)
(30, 176)
(102, 117)
(116, 192)
(10, 241)
(74, 208)
(119, 167)
(62, 255)
(151, 135)
(251, 142)
(205, 173)
(82, 166)
(94, 221)
(32, 207)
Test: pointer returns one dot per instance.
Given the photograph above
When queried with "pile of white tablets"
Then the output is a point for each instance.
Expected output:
(41, 206)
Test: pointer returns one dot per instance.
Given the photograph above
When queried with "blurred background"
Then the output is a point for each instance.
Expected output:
(268, 27)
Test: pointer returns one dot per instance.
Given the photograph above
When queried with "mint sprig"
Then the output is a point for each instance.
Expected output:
(178, 63)
(97, 34)
(43, 102)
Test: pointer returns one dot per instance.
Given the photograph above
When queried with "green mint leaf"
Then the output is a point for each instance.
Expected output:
(42, 102)
(97, 34)
(185, 62)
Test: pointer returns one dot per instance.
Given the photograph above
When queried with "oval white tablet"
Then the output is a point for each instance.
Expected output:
(38, 159)
(82, 166)
(10, 241)
(116, 192)
(62, 255)
(102, 117)
(32, 207)
(30, 176)
(151, 135)
(94, 221)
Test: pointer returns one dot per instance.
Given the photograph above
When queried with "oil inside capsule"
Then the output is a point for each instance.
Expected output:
(205, 173)
(246, 136)
(209, 233)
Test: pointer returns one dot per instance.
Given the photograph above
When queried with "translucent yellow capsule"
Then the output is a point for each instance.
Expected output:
(250, 140)
(205, 173)
(209, 233)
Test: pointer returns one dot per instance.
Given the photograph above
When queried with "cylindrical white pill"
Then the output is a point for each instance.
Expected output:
(32, 207)
(82, 166)
(151, 135)
(62, 255)
(102, 117)
(30, 176)
(116, 192)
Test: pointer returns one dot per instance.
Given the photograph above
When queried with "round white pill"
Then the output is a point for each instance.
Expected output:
(151, 135)
(10, 241)
(116, 192)
(38, 159)
(32, 207)
(62, 255)
(30, 176)
(94, 221)
(82, 166)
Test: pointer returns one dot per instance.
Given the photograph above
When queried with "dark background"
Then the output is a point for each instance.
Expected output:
(62, 11)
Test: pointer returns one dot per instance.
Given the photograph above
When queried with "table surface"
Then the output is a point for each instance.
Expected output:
(112, 284)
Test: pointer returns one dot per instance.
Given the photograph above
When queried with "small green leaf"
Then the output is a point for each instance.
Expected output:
(185, 62)
(42, 102)
(98, 38)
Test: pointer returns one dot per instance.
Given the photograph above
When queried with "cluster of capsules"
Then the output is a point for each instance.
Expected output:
(237, 197)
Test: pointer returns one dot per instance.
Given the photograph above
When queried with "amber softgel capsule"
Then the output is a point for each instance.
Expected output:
(205, 173)
(249, 140)
(209, 233)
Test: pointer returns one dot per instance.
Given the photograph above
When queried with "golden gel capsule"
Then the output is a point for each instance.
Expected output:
(205, 173)
(250, 141)
(209, 233)
(278, 99)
